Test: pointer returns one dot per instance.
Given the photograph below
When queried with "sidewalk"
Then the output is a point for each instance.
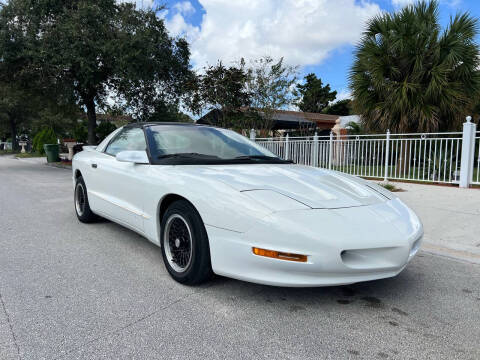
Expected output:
(450, 216)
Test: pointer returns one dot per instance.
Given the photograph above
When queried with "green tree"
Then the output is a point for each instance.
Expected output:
(45, 136)
(153, 74)
(409, 75)
(341, 107)
(18, 93)
(16, 109)
(104, 129)
(80, 132)
(241, 96)
(94, 49)
(269, 84)
(223, 90)
(312, 96)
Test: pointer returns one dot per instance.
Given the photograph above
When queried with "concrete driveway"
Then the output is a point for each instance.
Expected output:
(450, 216)
(75, 291)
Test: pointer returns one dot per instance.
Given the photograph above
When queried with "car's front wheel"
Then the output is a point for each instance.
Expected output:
(185, 247)
(82, 207)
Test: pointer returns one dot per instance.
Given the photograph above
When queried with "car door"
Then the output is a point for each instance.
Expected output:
(119, 183)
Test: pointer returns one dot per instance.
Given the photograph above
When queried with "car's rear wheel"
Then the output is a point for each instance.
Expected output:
(185, 247)
(82, 207)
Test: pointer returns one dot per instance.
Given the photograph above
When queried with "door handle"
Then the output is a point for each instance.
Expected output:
(94, 166)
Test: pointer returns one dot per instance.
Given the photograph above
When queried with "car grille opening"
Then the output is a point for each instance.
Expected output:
(373, 258)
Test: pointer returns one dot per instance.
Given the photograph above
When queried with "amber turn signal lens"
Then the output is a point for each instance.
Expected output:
(279, 255)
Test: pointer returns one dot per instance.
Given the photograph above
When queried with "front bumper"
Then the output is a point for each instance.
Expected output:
(343, 246)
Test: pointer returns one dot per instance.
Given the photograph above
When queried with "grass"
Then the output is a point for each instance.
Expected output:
(390, 187)
(20, 155)
(29, 155)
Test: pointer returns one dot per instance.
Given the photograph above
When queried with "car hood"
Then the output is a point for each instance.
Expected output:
(314, 187)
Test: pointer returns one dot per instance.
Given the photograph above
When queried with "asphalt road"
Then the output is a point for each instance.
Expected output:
(75, 291)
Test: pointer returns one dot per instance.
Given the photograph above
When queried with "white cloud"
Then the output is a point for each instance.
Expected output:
(342, 95)
(398, 4)
(179, 27)
(140, 4)
(304, 32)
(184, 7)
(402, 3)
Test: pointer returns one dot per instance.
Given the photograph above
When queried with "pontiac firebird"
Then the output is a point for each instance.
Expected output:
(218, 203)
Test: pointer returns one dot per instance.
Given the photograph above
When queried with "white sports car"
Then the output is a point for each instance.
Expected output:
(217, 202)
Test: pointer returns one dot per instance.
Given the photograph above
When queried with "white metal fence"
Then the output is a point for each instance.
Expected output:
(476, 172)
(428, 157)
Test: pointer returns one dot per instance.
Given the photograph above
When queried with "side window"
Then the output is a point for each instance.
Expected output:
(127, 139)
(101, 147)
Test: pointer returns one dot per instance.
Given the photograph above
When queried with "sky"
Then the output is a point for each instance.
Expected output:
(318, 36)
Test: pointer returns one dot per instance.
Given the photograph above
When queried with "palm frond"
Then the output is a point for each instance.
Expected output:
(409, 75)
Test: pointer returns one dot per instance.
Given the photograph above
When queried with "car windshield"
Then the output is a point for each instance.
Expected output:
(187, 144)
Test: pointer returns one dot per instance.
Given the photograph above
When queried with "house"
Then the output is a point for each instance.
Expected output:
(285, 120)
(117, 120)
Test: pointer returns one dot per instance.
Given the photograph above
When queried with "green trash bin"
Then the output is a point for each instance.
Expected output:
(52, 152)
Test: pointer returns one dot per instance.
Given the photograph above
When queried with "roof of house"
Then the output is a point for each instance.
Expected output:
(319, 119)
(285, 119)
(110, 118)
(113, 118)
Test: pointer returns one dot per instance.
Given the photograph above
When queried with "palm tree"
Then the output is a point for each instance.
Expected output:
(410, 76)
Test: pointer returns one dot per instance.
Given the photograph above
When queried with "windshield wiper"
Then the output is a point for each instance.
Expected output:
(261, 157)
(188, 155)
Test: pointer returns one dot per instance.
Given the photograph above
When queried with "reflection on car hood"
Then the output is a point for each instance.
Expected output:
(316, 188)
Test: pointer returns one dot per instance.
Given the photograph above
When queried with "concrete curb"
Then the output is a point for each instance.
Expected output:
(457, 254)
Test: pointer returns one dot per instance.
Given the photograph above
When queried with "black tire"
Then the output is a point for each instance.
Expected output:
(80, 201)
(181, 220)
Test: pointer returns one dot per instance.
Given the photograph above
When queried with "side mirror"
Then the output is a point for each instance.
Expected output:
(136, 157)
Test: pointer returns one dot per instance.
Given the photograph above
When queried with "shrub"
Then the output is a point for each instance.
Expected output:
(390, 187)
(80, 132)
(104, 129)
(44, 136)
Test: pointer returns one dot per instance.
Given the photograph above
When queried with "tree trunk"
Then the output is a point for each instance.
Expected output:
(92, 122)
(13, 131)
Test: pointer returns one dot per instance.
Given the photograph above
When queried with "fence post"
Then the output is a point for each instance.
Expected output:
(387, 155)
(468, 148)
(287, 148)
(253, 134)
(330, 150)
(315, 150)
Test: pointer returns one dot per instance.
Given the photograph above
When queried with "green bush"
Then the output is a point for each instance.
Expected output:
(80, 132)
(104, 129)
(44, 136)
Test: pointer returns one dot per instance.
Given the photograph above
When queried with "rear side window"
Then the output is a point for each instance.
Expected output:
(127, 139)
